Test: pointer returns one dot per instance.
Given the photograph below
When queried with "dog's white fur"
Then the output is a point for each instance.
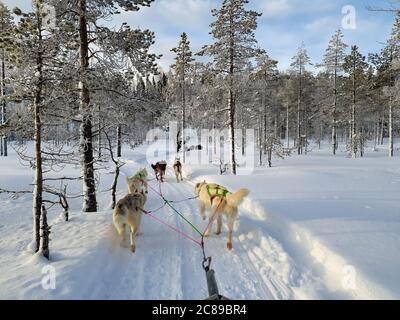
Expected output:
(138, 183)
(218, 205)
(128, 212)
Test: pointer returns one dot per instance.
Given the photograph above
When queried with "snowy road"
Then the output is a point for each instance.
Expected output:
(168, 266)
(297, 249)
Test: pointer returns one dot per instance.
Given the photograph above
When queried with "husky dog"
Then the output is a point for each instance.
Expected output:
(138, 183)
(178, 170)
(159, 170)
(219, 201)
(128, 212)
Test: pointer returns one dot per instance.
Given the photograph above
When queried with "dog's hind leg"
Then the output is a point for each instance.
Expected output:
(123, 240)
(219, 224)
(231, 222)
(202, 209)
(133, 236)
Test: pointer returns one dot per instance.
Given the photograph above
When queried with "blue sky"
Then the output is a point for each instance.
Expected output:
(282, 28)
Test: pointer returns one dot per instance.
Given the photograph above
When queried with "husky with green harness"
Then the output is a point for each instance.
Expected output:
(218, 201)
(138, 183)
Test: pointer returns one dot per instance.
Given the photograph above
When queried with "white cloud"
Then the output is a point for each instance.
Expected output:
(273, 8)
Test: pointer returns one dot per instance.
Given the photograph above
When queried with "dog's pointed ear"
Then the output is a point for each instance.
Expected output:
(197, 185)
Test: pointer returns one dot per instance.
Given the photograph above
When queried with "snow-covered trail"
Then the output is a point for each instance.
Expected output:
(168, 266)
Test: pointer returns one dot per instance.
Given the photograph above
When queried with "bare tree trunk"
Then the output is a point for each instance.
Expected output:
(299, 142)
(4, 151)
(86, 136)
(99, 134)
(214, 130)
(353, 116)
(231, 98)
(183, 114)
(38, 180)
(287, 126)
(231, 116)
(265, 121)
(114, 187)
(334, 120)
(44, 247)
(119, 141)
(391, 150)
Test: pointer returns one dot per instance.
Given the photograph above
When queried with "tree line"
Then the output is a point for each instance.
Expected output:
(81, 89)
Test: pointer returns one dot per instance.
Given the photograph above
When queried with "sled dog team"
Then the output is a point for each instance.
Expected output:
(211, 197)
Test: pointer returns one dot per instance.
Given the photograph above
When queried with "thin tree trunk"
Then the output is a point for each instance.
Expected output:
(260, 144)
(391, 150)
(287, 126)
(183, 114)
(334, 121)
(114, 187)
(38, 180)
(353, 115)
(231, 99)
(99, 134)
(265, 122)
(119, 141)
(299, 142)
(4, 151)
(231, 116)
(86, 136)
(44, 247)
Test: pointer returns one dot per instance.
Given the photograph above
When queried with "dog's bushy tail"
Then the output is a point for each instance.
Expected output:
(236, 198)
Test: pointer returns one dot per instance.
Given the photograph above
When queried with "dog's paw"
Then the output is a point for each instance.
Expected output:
(229, 245)
(133, 248)
(206, 235)
(218, 233)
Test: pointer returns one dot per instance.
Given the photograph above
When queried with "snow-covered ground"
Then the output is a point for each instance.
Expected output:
(313, 227)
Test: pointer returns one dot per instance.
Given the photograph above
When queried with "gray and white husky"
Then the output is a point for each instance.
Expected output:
(128, 212)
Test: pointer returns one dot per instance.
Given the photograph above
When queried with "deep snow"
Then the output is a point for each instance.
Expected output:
(313, 227)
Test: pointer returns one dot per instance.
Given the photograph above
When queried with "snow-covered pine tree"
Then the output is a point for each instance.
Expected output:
(88, 13)
(394, 47)
(355, 66)
(333, 65)
(299, 63)
(182, 67)
(6, 29)
(35, 48)
(266, 73)
(235, 44)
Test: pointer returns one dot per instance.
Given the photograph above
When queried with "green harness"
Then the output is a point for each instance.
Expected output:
(217, 189)
(139, 175)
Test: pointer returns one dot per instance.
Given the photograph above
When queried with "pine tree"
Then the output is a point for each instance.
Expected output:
(235, 44)
(387, 64)
(267, 73)
(6, 28)
(300, 61)
(35, 50)
(356, 67)
(182, 67)
(333, 64)
(88, 13)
